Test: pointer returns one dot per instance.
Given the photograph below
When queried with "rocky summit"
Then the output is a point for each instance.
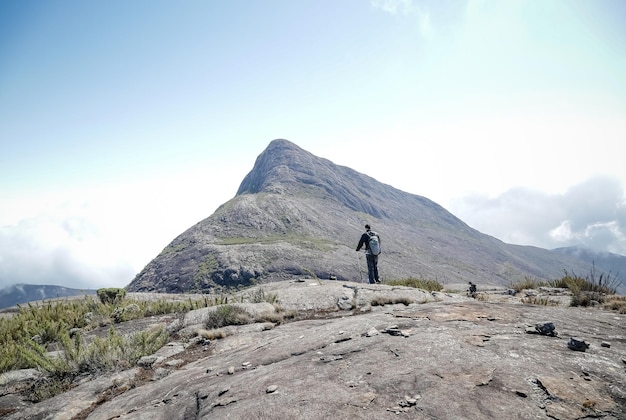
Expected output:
(349, 350)
(296, 214)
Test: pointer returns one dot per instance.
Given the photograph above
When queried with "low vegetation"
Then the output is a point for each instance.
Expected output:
(384, 300)
(259, 295)
(529, 283)
(60, 325)
(590, 290)
(593, 289)
(535, 300)
(616, 303)
(111, 295)
(428, 285)
(227, 315)
(51, 337)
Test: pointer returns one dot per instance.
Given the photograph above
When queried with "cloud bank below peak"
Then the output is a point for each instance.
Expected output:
(591, 214)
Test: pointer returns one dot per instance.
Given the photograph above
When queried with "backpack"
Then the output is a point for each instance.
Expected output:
(374, 243)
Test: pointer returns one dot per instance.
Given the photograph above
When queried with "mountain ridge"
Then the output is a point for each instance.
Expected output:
(19, 293)
(296, 214)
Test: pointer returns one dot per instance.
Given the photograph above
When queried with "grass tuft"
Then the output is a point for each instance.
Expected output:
(214, 334)
(227, 315)
(616, 303)
(259, 296)
(586, 291)
(534, 300)
(529, 283)
(384, 300)
(428, 285)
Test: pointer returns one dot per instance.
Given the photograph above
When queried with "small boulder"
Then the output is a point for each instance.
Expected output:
(74, 331)
(531, 330)
(147, 361)
(372, 332)
(546, 328)
(577, 344)
(393, 330)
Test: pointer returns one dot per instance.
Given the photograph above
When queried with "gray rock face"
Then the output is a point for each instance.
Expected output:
(296, 214)
(445, 357)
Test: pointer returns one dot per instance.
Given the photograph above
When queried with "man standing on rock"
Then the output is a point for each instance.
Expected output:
(371, 240)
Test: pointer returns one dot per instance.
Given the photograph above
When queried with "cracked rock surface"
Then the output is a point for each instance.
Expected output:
(446, 357)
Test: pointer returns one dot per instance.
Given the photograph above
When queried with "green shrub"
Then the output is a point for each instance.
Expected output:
(107, 354)
(127, 313)
(585, 291)
(259, 296)
(428, 285)
(24, 335)
(529, 283)
(111, 295)
(580, 299)
(48, 387)
(602, 283)
(227, 315)
(589, 290)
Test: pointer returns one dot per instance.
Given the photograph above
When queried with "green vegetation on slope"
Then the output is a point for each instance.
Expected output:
(27, 337)
(586, 291)
(428, 285)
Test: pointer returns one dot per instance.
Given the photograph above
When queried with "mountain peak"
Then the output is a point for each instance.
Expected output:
(285, 168)
(281, 163)
(296, 214)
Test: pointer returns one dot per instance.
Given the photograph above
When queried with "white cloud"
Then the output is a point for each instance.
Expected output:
(409, 9)
(103, 236)
(591, 214)
(563, 232)
(607, 236)
(62, 246)
(424, 23)
(394, 7)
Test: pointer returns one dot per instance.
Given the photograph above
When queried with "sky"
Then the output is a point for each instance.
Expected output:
(123, 123)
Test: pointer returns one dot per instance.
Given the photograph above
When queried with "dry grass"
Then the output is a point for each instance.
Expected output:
(214, 334)
(273, 317)
(424, 284)
(616, 303)
(384, 300)
(590, 404)
(540, 300)
(529, 283)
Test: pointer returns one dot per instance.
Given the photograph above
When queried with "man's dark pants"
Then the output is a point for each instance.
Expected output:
(372, 268)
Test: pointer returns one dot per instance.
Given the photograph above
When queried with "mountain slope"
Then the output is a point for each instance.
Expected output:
(296, 214)
(22, 293)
